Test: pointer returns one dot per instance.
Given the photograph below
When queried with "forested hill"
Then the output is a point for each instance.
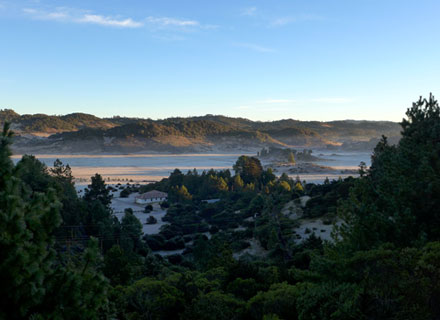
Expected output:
(79, 132)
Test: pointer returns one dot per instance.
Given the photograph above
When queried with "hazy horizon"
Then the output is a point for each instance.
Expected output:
(195, 116)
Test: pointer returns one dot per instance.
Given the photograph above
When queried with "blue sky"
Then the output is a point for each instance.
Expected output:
(263, 60)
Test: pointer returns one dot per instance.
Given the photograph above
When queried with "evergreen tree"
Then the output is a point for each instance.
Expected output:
(397, 200)
(249, 168)
(131, 231)
(97, 191)
(62, 172)
(34, 280)
(26, 254)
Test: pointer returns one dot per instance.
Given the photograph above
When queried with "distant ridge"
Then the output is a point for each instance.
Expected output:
(81, 132)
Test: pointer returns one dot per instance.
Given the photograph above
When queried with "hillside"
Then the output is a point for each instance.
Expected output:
(44, 125)
(80, 132)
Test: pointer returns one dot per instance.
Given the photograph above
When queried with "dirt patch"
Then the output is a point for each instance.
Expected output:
(314, 226)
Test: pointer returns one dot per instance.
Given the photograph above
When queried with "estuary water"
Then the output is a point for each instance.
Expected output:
(153, 167)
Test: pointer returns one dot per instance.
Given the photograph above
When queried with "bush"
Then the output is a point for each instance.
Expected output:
(151, 220)
(175, 259)
(155, 242)
(175, 243)
(280, 300)
(164, 204)
(244, 288)
(125, 193)
(240, 245)
(148, 208)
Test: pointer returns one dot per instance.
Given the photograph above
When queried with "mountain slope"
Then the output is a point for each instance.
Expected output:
(80, 132)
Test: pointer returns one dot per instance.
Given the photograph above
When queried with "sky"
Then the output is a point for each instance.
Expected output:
(262, 60)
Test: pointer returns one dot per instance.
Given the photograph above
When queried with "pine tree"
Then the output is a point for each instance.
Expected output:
(26, 257)
(62, 172)
(131, 231)
(97, 190)
(397, 199)
(35, 282)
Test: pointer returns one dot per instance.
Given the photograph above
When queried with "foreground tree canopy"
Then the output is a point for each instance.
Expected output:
(68, 257)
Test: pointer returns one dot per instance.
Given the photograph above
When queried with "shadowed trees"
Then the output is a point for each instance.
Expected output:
(35, 280)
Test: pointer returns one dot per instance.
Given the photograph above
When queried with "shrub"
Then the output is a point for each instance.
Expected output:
(175, 244)
(125, 193)
(240, 245)
(155, 242)
(164, 204)
(175, 258)
(151, 220)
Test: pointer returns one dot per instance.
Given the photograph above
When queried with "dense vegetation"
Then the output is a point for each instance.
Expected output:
(42, 123)
(287, 154)
(64, 257)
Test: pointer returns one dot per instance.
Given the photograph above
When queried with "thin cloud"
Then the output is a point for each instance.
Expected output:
(108, 21)
(281, 22)
(85, 17)
(173, 22)
(65, 15)
(251, 11)
(255, 47)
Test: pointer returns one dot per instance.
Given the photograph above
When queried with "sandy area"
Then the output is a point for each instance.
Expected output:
(292, 210)
(165, 253)
(116, 174)
(312, 172)
(138, 174)
(329, 165)
(131, 155)
(120, 204)
(255, 249)
(310, 226)
(153, 167)
(138, 167)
